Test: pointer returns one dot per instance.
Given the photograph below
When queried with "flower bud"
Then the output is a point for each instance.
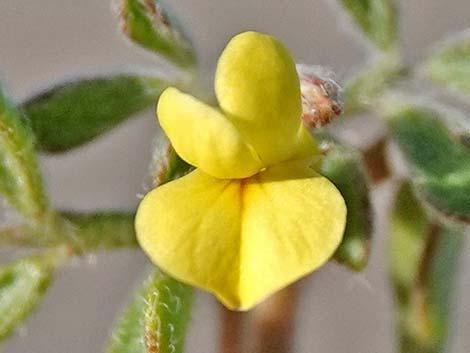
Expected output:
(320, 96)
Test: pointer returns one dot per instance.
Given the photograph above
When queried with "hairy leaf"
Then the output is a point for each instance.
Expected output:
(449, 66)
(20, 179)
(377, 19)
(439, 162)
(74, 113)
(166, 164)
(344, 168)
(423, 264)
(22, 285)
(157, 319)
(128, 335)
(167, 314)
(148, 24)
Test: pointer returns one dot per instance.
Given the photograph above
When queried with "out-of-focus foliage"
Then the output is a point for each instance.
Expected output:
(423, 261)
(439, 162)
(74, 113)
(344, 168)
(377, 18)
(22, 285)
(149, 25)
(20, 179)
(362, 90)
(449, 66)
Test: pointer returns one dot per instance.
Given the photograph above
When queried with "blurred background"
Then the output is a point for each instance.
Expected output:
(44, 42)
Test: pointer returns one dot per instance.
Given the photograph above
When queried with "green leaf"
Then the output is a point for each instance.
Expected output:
(129, 336)
(148, 24)
(377, 19)
(361, 91)
(424, 262)
(157, 319)
(439, 162)
(408, 227)
(22, 285)
(102, 230)
(166, 164)
(167, 314)
(20, 179)
(74, 113)
(449, 66)
(344, 168)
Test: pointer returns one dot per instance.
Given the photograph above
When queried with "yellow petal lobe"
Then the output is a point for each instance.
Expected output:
(242, 239)
(203, 137)
(190, 228)
(258, 88)
(293, 221)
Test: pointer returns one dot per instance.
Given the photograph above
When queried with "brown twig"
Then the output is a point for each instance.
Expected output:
(231, 331)
(432, 239)
(274, 320)
(376, 162)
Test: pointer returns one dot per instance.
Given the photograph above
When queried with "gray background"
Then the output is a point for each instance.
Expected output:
(42, 42)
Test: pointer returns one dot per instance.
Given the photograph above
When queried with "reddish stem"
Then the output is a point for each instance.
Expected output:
(376, 162)
(274, 320)
(231, 331)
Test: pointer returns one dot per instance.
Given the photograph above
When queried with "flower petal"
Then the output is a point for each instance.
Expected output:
(258, 89)
(242, 239)
(203, 137)
(293, 221)
(190, 228)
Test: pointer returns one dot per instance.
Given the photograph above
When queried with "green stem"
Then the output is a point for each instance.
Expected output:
(46, 231)
(82, 232)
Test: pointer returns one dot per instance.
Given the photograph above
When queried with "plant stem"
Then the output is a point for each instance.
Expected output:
(376, 162)
(13, 236)
(84, 232)
(274, 320)
(231, 339)
(432, 239)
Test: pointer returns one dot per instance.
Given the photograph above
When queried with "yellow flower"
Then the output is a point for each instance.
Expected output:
(254, 216)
